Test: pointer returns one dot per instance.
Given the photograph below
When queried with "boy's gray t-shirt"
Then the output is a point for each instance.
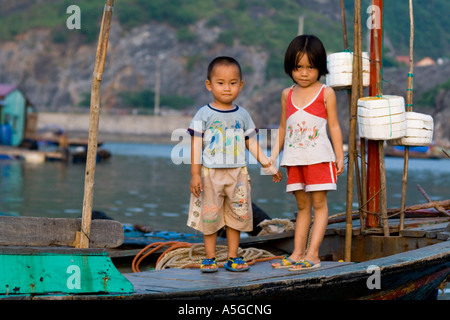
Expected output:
(224, 133)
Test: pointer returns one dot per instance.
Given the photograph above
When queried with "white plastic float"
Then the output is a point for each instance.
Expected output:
(419, 130)
(382, 118)
(340, 68)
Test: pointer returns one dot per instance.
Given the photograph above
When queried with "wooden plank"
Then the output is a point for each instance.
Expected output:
(41, 231)
(429, 231)
(410, 223)
(444, 235)
(191, 280)
(335, 280)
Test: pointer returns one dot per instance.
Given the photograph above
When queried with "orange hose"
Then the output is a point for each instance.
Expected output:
(173, 245)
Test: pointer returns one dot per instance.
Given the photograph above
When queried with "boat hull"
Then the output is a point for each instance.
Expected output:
(410, 275)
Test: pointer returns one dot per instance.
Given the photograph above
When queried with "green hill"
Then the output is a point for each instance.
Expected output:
(269, 24)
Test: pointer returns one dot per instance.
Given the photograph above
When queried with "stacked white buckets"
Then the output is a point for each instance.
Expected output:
(340, 66)
(380, 118)
(419, 130)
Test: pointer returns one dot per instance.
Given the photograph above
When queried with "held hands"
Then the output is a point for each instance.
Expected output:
(196, 186)
(270, 169)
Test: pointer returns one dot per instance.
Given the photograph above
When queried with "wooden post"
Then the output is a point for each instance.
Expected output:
(84, 234)
(352, 135)
(409, 103)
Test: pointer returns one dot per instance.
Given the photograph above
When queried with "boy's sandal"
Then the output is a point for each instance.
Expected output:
(233, 263)
(209, 265)
(286, 262)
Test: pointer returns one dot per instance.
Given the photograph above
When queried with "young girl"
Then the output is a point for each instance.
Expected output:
(312, 162)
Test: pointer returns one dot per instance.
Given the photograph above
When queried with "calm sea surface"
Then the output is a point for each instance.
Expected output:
(141, 184)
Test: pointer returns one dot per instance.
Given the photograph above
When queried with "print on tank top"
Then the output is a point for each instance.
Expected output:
(300, 135)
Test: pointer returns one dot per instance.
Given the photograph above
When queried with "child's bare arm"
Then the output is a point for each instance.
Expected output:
(268, 167)
(196, 186)
(335, 129)
(281, 132)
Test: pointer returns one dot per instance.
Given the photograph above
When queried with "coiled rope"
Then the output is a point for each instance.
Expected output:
(188, 255)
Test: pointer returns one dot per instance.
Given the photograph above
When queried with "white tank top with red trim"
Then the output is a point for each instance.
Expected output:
(306, 141)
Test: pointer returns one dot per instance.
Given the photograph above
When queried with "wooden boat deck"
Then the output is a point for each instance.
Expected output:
(191, 283)
(424, 269)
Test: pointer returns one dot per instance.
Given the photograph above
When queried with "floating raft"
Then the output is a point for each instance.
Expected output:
(33, 156)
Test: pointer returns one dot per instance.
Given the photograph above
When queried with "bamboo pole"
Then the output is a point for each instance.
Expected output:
(383, 206)
(409, 102)
(84, 235)
(349, 93)
(362, 148)
(344, 25)
(351, 143)
(360, 171)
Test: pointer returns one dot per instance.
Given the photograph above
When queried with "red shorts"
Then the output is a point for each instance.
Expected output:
(314, 177)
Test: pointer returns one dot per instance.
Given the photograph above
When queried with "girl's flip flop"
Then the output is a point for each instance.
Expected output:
(286, 262)
(305, 266)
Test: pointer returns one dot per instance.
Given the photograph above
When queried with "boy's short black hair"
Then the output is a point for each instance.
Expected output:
(312, 47)
(223, 60)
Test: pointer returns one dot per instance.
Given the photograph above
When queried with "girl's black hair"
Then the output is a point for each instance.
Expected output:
(224, 60)
(312, 47)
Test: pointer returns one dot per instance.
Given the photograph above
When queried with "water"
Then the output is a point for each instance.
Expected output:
(141, 184)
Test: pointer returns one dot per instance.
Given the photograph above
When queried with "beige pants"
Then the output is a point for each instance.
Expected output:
(225, 201)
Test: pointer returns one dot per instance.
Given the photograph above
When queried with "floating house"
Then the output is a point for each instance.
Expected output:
(14, 109)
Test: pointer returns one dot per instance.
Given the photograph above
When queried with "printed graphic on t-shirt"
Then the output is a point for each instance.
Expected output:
(301, 136)
(225, 143)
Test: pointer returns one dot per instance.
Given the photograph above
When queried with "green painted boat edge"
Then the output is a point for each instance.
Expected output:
(31, 271)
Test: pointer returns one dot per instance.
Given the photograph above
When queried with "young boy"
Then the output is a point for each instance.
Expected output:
(220, 184)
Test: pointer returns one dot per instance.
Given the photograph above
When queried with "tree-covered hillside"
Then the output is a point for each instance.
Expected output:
(266, 23)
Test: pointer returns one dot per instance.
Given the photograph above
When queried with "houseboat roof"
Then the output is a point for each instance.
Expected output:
(6, 89)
